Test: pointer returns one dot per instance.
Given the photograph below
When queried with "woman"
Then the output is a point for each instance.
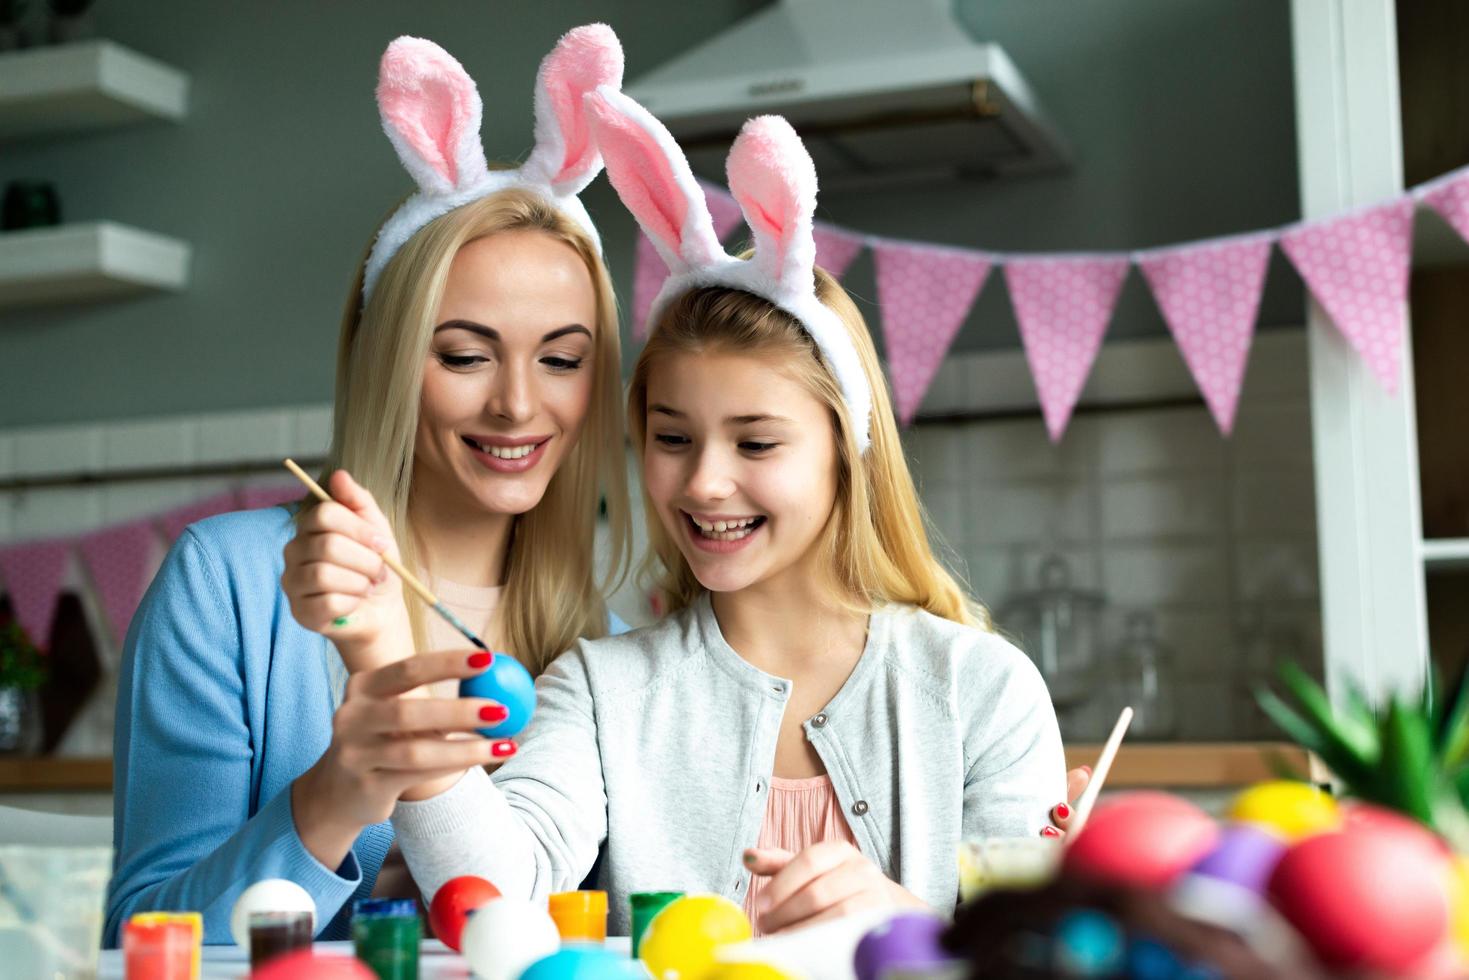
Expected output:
(478, 399)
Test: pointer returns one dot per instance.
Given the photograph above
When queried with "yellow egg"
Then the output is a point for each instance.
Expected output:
(1458, 881)
(747, 971)
(1292, 809)
(681, 939)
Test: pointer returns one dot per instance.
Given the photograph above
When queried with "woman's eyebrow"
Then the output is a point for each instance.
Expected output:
(490, 333)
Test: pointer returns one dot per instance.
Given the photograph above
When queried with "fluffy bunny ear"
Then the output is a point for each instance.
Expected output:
(566, 156)
(652, 177)
(772, 177)
(431, 112)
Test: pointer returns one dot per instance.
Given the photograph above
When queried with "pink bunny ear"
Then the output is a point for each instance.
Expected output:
(431, 113)
(566, 156)
(772, 177)
(653, 179)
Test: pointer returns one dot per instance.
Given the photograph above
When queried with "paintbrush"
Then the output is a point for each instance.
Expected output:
(409, 579)
(1099, 776)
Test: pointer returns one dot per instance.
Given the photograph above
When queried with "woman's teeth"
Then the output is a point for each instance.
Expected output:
(726, 530)
(507, 452)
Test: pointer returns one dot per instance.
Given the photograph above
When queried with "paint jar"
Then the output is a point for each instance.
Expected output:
(386, 933)
(163, 946)
(274, 934)
(580, 917)
(645, 905)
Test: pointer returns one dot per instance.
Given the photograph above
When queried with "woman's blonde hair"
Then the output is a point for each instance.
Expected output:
(875, 545)
(552, 595)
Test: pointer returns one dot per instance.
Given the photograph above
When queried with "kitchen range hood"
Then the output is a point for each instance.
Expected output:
(882, 91)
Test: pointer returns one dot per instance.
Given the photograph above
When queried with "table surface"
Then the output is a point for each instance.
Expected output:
(437, 961)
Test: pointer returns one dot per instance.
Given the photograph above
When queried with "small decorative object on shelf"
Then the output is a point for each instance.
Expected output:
(22, 672)
(1059, 627)
(1144, 673)
(13, 34)
(71, 20)
(30, 204)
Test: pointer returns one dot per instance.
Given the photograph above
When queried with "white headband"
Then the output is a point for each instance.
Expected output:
(773, 179)
(431, 110)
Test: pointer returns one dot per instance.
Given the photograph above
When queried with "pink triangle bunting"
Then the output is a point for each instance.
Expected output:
(253, 498)
(1209, 296)
(1451, 200)
(173, 522)
(32, 574)
(1063, 306)
(835, 249)
(925, 294)
(1357, 268)
(119, 559)
(649, 269)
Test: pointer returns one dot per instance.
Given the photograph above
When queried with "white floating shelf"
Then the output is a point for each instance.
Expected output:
(85, 263)
(1445, 553)
(88, 85)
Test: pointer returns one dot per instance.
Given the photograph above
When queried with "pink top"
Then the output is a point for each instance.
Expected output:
(801, 812)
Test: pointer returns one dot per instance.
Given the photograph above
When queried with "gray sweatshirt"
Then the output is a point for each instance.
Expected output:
(661, 742)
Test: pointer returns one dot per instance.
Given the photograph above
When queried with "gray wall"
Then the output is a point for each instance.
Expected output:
(1180, 113)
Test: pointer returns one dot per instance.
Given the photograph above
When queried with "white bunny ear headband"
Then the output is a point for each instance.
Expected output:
(773, 179)
(431, 112)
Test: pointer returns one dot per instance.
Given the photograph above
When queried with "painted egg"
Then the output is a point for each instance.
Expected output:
(907, 940)
(1357, 815)
(747, 970)
(1244, 855)
(508, 683)
(1364, 899)
(506, 935)
(453, 902)
(306, 965)
(681, 939)
(584, 962)
(1144, 838)
(1458, 889)
(270, 895)
(1287, 807)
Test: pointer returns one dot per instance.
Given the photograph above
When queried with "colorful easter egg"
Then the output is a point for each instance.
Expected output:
(1244, 855)
(681, 940)
(1287, 807)
(453, 902)
(306, 965)
(907, 940)
(508, 683)
(1144, 838)
(584, 961)
(506, 935)
(270, 895)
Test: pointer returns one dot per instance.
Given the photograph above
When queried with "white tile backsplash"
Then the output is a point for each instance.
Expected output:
(313, 431)
(253, 436)
(1163, 507)
(1160, 440)
(57, 449)
(150, 444)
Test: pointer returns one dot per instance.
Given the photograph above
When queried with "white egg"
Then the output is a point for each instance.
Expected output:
(506, 935)
(270, 895)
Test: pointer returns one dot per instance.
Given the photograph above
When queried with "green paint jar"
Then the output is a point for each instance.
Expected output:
(645, 905)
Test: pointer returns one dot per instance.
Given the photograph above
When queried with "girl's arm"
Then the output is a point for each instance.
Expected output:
(182, 822)
(536, 827)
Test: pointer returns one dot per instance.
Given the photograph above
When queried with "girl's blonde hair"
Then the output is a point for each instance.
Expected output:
(875, 545)
(552, 595)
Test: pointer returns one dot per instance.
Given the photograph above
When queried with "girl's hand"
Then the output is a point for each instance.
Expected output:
(825, 881)
(1061, 813)
(384, 742)
(338, 583)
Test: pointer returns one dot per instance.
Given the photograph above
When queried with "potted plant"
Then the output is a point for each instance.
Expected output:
(22, 672)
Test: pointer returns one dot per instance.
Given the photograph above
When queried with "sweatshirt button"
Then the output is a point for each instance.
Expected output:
(819, 721)
(860, 807)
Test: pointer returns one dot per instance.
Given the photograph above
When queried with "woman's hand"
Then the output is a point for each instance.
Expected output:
(825, 881)
(1061, 813)
(383, 743)
(338, 583)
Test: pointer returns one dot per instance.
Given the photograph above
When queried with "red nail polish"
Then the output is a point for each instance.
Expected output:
(493, 712)
(1063, 811)
(479, 660)
(1050, 832)
(502, 750)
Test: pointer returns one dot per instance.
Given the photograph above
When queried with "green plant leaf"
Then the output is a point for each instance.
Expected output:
(1359, 735)
(1409, 779)
(1338, 756)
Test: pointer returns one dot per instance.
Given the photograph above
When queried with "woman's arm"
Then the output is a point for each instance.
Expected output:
(536, 827)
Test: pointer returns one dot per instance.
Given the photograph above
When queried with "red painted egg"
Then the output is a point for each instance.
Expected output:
(1368, 816)
(1365, 899)
(306, 965)
(453, 902)
(1144, 838)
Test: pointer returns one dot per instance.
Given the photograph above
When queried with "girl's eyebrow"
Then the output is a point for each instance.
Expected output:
(731, 420)
(490, 333)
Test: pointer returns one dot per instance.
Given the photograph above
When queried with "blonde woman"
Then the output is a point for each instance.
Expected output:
(478, 407)
(824, 714)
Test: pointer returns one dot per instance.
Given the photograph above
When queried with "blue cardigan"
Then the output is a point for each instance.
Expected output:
(223, 700)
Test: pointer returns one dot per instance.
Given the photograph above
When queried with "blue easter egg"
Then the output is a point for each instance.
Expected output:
(1089, 944)
(583, 962)
(508, 683)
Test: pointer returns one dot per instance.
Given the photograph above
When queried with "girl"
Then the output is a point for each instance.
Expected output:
(824, 714)
(478, 398)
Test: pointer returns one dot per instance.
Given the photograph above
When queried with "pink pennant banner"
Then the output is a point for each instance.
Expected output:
(1209, 295)
(1357, 268)
(174, 522)
(835, 249)
(119, 560)
(32, 575)
(925, 294)
(253, 498)
(1063, 305)
(649, 269)
(1450, 199)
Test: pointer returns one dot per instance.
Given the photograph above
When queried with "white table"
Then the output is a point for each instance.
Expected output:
(436, 961)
